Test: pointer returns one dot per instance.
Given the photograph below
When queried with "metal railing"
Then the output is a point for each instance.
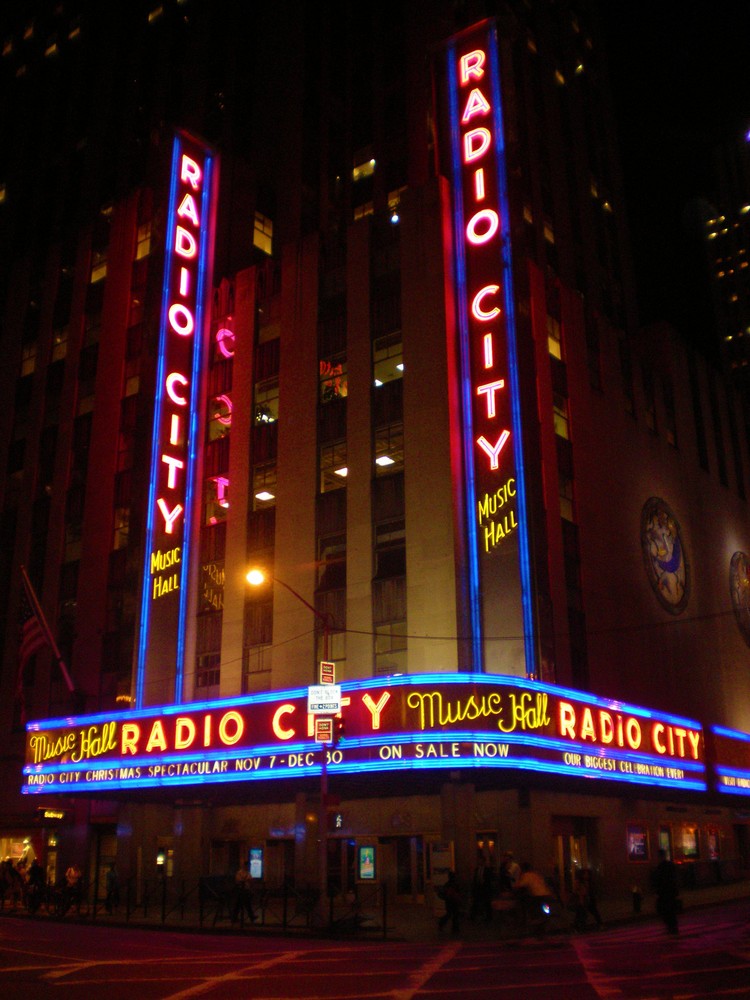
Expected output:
(209, 902)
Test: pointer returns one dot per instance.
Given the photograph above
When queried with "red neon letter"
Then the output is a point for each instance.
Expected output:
(174, 429)
(493, 450)
(490, 217)
(181, 320)
(184, 733)
(484, 315)
(225, 342)
(174, 464)
(471, 66)
(489, 391)
(278, 729)
(476, 143)
(188, 210)
(477, 104)
(190, 173)
(376, 707)
(129, 736)
(221, 418)
(488, 356)
(169, 383)
(567, 720)
(184, 243)
(170, 516)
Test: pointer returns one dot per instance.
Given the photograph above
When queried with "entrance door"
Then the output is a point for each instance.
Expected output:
(409, 867)
(574, 840)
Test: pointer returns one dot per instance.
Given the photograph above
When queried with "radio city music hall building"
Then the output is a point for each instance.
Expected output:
(354, 307)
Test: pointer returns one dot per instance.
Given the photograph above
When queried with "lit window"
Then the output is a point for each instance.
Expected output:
(264, 485)
(132, 386)
(267, 400)
(51, 49)
(59, 343)
(565, 489)
(155, 14)
(362, 170)
(554, 337)
(29, 31)
(333, 468)
(389, 448)
(394, 201)
(216, 498)
(387, 358)
(334, 383)
(362, 211)
(143, 241)
(263, 233)
(528, 214)
(28, 358)
(559, 78)
(219, 416)
(122, 528)
(8, 48)
(560, 416)
(549, 232)
(98, 266)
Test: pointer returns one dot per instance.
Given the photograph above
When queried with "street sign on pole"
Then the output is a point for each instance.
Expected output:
(324, 729)
(327, 672)
(324, 699)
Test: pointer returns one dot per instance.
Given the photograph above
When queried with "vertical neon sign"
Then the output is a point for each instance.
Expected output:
(176, 430)
(499, 569)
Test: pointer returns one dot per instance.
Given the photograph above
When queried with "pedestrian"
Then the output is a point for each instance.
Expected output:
(34, 886)
(243, 900)
(72, 887)
(482, 890)
(664, 881)
(584, 901)
(450, 893)
(533, 896)
(510, 872)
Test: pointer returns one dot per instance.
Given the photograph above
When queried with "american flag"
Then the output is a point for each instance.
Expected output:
(33, 636)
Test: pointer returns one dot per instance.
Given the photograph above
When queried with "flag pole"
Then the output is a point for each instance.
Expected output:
(37, 609)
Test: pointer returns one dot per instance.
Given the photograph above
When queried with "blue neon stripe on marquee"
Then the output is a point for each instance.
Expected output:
(475, 619)
(515, 396)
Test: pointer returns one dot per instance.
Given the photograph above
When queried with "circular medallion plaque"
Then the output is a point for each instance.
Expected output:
(664, 555)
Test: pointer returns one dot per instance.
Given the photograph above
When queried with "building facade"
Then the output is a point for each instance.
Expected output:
(348, 300)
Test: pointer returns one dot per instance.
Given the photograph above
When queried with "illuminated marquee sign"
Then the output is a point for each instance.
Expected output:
(499, 569)
(731, 753)
(424, 722)
(189, 246)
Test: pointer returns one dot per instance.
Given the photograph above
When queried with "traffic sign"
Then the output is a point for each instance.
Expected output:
(324, 729)
(324, 699)
(327, 672)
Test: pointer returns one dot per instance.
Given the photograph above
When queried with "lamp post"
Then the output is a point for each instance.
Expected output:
(255, 578)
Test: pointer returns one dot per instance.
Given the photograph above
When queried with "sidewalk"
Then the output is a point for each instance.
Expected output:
(408, 922)
(414, 923)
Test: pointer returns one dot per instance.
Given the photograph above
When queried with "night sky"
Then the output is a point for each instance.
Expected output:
(680, 76)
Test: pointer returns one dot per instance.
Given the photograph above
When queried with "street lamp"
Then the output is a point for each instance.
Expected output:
(256, 577)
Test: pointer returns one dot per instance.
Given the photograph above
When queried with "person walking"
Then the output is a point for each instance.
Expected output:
(664, 881)
(451, 895)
